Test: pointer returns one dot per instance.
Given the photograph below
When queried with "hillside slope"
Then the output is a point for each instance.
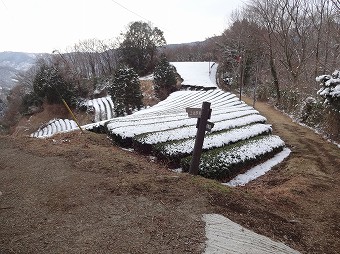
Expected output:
(78, 193)
(240, 138)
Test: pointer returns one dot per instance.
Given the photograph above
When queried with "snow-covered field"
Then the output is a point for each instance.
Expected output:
(171, 113)
(199, 74)
(240, 135)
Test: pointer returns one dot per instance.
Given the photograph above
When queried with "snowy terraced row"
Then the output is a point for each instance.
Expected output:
(170, 113)
(103, 108)
(178, 101)
(190, 131)
(175, 106)
(54, 126)
(166, 131)
(145, 119)
(153, 125)
(227, 162)
(214, 140)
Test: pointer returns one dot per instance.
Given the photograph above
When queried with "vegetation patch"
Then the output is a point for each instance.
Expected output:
(227, 161)
(174, 151)
(238, 139)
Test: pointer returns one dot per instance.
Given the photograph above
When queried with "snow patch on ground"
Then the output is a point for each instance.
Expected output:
(225, 236)
(258, 170)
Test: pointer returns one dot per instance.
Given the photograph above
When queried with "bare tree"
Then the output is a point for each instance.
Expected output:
(265, 14)
(298, 31)
(336, 4)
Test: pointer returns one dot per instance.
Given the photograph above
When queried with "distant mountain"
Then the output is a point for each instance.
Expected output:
(13, 62)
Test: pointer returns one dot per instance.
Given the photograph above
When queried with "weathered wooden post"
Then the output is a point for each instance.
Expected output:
(203, 114)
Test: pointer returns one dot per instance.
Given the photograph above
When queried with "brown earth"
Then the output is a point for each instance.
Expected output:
(77, 193)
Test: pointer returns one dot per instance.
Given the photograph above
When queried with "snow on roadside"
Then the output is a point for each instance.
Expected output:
(259, 170)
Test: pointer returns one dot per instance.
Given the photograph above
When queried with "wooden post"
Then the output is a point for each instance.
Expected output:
(255, 84)
(73, 116)
(201, 128)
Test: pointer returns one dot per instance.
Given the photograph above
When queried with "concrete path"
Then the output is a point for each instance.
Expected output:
(227, 237)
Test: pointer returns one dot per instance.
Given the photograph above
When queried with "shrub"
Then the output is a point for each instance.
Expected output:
(164, 79)
(290, 100)
(31, 103)
(330, 88)
(125, 91)
(50, 85)
(312, 112)
(330, 92)
(265, 91)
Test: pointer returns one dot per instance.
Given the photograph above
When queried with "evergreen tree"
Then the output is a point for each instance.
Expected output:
(164, 78)
(330, 89)
(139, 47)
(50, 85)
(330, 92)
(125, 91)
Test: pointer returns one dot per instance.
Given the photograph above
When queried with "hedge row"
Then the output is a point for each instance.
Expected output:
(174, 151)
(226, 162)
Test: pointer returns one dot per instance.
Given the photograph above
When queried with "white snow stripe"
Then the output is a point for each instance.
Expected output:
(190, 131)
(217, 140)
(55, 126)
(259, 170)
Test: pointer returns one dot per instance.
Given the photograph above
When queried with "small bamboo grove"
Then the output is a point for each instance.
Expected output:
(239, 140)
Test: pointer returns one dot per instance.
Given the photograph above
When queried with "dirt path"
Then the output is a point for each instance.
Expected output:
(70, 197)
(308, 182)
(77, 193)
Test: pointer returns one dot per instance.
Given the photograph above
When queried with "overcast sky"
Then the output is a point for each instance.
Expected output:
(41, 26)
